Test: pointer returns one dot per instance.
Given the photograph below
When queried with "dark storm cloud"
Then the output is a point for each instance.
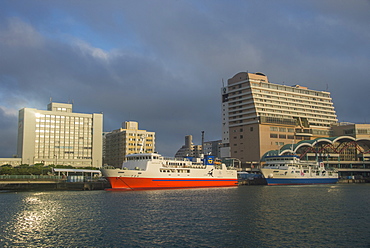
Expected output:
(162, 62)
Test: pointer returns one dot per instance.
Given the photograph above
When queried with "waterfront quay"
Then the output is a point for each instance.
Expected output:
(262, 181)
(45, 182)
(346, 176)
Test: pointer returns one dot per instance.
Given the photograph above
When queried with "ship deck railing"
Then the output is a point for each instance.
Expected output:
(175, 159)
(185, 166)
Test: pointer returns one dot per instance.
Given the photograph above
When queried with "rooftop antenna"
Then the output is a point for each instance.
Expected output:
(51, 99)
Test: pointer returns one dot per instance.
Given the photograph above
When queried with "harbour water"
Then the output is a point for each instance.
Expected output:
(246, 216)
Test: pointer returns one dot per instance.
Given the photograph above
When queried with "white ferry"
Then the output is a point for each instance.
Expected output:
(153, 171)
(288, 170)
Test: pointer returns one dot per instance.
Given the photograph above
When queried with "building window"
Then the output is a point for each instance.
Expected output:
(251, 129)
(273, 129)
(273, 135)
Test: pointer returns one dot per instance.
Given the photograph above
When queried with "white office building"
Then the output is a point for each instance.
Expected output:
(60, 137)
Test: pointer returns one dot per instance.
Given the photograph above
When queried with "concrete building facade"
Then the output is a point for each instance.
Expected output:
(59, 136)
(259, 116)
(127, 140)
(212, 148)
(356, 131)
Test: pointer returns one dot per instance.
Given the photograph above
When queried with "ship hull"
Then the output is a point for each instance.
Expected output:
(131, 183)
(300, 181)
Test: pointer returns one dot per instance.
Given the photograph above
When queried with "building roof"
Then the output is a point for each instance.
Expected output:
(293, 148)
(76, 170)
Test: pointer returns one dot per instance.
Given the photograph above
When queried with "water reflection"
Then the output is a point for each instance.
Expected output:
(248, 216)
(33, 220)
(299, 214)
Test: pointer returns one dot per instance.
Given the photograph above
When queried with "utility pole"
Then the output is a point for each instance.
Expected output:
(202, 142)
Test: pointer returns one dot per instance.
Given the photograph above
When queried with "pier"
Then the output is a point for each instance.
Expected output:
(254, 181)
(39, 182)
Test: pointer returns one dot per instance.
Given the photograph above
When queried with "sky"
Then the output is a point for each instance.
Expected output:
(162, 63)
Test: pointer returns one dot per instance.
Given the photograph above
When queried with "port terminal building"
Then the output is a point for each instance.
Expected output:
(350, 155)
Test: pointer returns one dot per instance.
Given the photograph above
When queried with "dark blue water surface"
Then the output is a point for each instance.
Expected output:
(245, 216)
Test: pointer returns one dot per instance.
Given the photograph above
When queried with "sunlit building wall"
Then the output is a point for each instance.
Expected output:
(357, 131)
(259, 116)
(127, 140)
(59, 136)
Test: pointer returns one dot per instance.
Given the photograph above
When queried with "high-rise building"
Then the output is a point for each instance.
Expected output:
(127, 140)
(59, 136)
(259, 116)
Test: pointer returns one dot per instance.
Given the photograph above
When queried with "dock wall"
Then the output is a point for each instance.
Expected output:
(28, 184)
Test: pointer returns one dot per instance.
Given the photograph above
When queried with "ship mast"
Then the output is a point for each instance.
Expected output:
(142, 143)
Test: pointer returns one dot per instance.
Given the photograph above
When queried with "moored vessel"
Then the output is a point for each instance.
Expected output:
(290, 170)
(153, 171)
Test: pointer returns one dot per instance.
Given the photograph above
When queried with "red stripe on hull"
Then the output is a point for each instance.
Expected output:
(131, 183)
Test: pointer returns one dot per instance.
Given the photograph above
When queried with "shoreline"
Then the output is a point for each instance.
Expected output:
(29, 184)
